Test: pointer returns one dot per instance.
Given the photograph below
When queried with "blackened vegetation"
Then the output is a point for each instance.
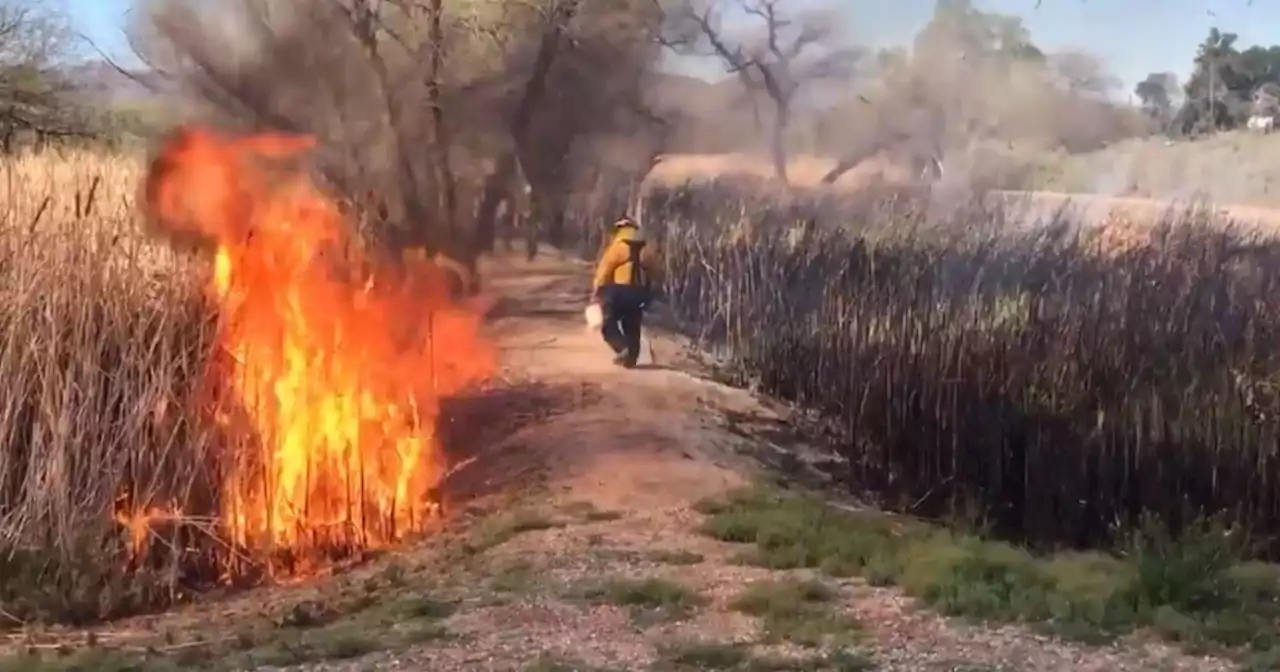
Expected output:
(477, 431)
(1060, 388)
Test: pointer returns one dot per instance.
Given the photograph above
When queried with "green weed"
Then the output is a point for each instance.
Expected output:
(651, 599)
(1192, 589)
(796, 611)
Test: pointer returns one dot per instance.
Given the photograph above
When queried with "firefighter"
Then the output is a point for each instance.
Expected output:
(626, 281)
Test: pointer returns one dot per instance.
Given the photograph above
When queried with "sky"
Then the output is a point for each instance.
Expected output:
(103, 22)
(1134, 37)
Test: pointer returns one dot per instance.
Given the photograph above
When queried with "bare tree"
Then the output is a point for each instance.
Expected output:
(422, 103)
(37, 96)
(784, 54)
(250, 64)
(441, 140)
(971, 87)
(558, 17)
(585, 78)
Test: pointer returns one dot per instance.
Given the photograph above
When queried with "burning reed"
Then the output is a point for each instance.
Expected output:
(337, 373)
(171, 421)
(1058, 389)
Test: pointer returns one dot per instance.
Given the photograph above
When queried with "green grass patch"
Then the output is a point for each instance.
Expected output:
(426, 608)
(800, 612)
(847, 660)
(345, 642)
(837, 660)
(500, 529)
(705, 656)
(696, 655)
(650, 600)
(87, 660)
(552, 663)
(1262, 661)
(305, 633)
(1191, 589)
(588, 512)
(676, 557)
(394, 625)
(515, 576)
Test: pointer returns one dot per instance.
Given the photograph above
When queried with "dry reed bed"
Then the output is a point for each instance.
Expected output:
(802, 171)
(806, 172)
(968, 366)
(104, 335)
(1235, 167)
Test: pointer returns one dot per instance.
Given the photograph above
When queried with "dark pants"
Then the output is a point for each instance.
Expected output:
(623, 307)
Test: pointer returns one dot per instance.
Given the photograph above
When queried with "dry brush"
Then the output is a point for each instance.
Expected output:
(106, 334)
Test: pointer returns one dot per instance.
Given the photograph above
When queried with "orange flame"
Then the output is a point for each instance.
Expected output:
(138, 524)
(339, 371)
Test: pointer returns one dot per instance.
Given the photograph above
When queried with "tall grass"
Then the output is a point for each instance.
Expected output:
(104, 337)
(1059, 388)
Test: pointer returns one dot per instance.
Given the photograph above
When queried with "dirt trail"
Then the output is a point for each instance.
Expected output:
(639, 451)
(577, 546)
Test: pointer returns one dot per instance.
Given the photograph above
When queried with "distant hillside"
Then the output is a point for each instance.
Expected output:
(105, 84)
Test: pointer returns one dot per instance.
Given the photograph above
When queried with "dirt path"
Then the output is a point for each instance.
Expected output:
(577, 546)
(633, 456)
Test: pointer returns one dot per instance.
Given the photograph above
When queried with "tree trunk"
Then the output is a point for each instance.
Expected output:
(843, 166)
(482, 237)
(778, 141)
(441, 139)
(534, 91)
(852, 159)
(365, 26)
(506, 222)
(549, 204)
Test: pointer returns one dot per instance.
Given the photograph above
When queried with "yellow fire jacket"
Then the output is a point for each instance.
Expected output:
(618, 263)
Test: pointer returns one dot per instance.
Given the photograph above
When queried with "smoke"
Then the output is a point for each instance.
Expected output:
(972, 90)
(422, 111)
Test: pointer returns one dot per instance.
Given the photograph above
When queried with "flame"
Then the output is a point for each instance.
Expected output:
(338, 370)
(138, 524)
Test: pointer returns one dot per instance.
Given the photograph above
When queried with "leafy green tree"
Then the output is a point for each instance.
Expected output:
(1218, 90)
(1226, 86)
(1156, 93)
(1259, 70)
(1257, 65)
(1217, 66)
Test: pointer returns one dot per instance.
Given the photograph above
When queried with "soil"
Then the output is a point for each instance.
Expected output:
(584, 473)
